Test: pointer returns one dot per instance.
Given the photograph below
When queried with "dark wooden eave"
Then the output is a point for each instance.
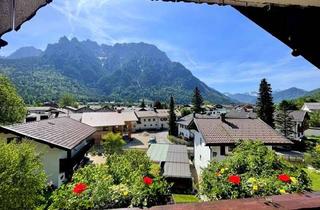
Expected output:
(13, 13)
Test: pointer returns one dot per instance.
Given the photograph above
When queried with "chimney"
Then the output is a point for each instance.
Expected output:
(223, 117)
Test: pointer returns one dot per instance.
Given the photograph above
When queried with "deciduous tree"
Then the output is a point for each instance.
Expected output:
(68, 100)
(22, 177)
(12, 107)
(112, 143)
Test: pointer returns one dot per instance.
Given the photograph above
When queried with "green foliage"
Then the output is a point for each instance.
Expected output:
(284, 123)
(112, 143)
(116, 184)
(157, 104)
(181, 198)
(22, 177)
(173, 130)
(12, 107)
(67, 99)
(176, 140)
(314, 119)
(313, 157)
(185, 111)
(131, 72)
(265, 106)
(258, 168)
(197, 101)
(142, 105)
(287, 105)
(315, 178)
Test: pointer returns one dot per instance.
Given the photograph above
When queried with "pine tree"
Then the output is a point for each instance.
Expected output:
(284, 122)
(142, 105)
(157, 104)
(172, 119)
(197, 101)
(265, 105)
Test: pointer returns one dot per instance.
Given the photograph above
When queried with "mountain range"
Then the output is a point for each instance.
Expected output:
(278, 96)
(94, 72)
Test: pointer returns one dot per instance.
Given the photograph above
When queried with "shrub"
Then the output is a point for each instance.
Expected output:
(22, 177)
(112, 143)
(125, 180)
(313, 158)
(252, 170)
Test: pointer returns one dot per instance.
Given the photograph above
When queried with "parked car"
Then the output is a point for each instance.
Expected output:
(152, 140)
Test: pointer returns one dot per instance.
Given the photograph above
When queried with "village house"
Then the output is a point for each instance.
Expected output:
(156, 119)
(311, 107)
(301, 123)
(214, 138)
(104, 122)
(217, 110)
(61, 142)
(41, 113)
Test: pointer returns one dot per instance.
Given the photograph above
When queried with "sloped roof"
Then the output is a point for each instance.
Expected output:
(101, 119)
(178, 170)
(214, 131)
(158, 113)
(62, 132)
(298, 115)
(312, 106)
(158, 152)
(242, 114)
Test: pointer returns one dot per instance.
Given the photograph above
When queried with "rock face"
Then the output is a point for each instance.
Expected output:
(25, 52)
(123, 71)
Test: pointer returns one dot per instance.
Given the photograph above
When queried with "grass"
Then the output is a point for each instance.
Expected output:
(181, 198)
(315, 178)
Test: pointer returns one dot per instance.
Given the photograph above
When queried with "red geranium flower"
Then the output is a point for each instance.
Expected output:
(284, 178)
(234, 179)
(147, 180)
(79, 188)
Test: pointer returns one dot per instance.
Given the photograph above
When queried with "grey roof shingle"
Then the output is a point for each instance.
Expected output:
(298, 115)
(177, 157)
(62, 132)
(312, 106)
(179, 170)
(214, 131)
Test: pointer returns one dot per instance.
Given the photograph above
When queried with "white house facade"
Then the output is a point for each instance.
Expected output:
(61, 143)
(214, 139)
(152, 120)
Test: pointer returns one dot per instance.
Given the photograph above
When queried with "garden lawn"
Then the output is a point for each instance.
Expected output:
(181, 198)
(315, 178)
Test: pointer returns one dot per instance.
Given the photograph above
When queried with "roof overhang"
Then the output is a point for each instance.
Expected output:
(257, 3)
(7, 130)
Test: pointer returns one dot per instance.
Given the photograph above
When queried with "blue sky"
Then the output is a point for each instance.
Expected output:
(220, 46)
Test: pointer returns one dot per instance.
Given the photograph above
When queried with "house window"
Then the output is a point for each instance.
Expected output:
(222, 150)
(230, 148)
(144, 119)
(144, 125)
(154, 119)
(151, 125)
(149, 120)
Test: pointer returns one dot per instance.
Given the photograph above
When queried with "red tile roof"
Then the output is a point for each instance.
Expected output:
(214, 131)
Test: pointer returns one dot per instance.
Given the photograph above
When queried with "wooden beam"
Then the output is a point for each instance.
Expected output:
(257, 3)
